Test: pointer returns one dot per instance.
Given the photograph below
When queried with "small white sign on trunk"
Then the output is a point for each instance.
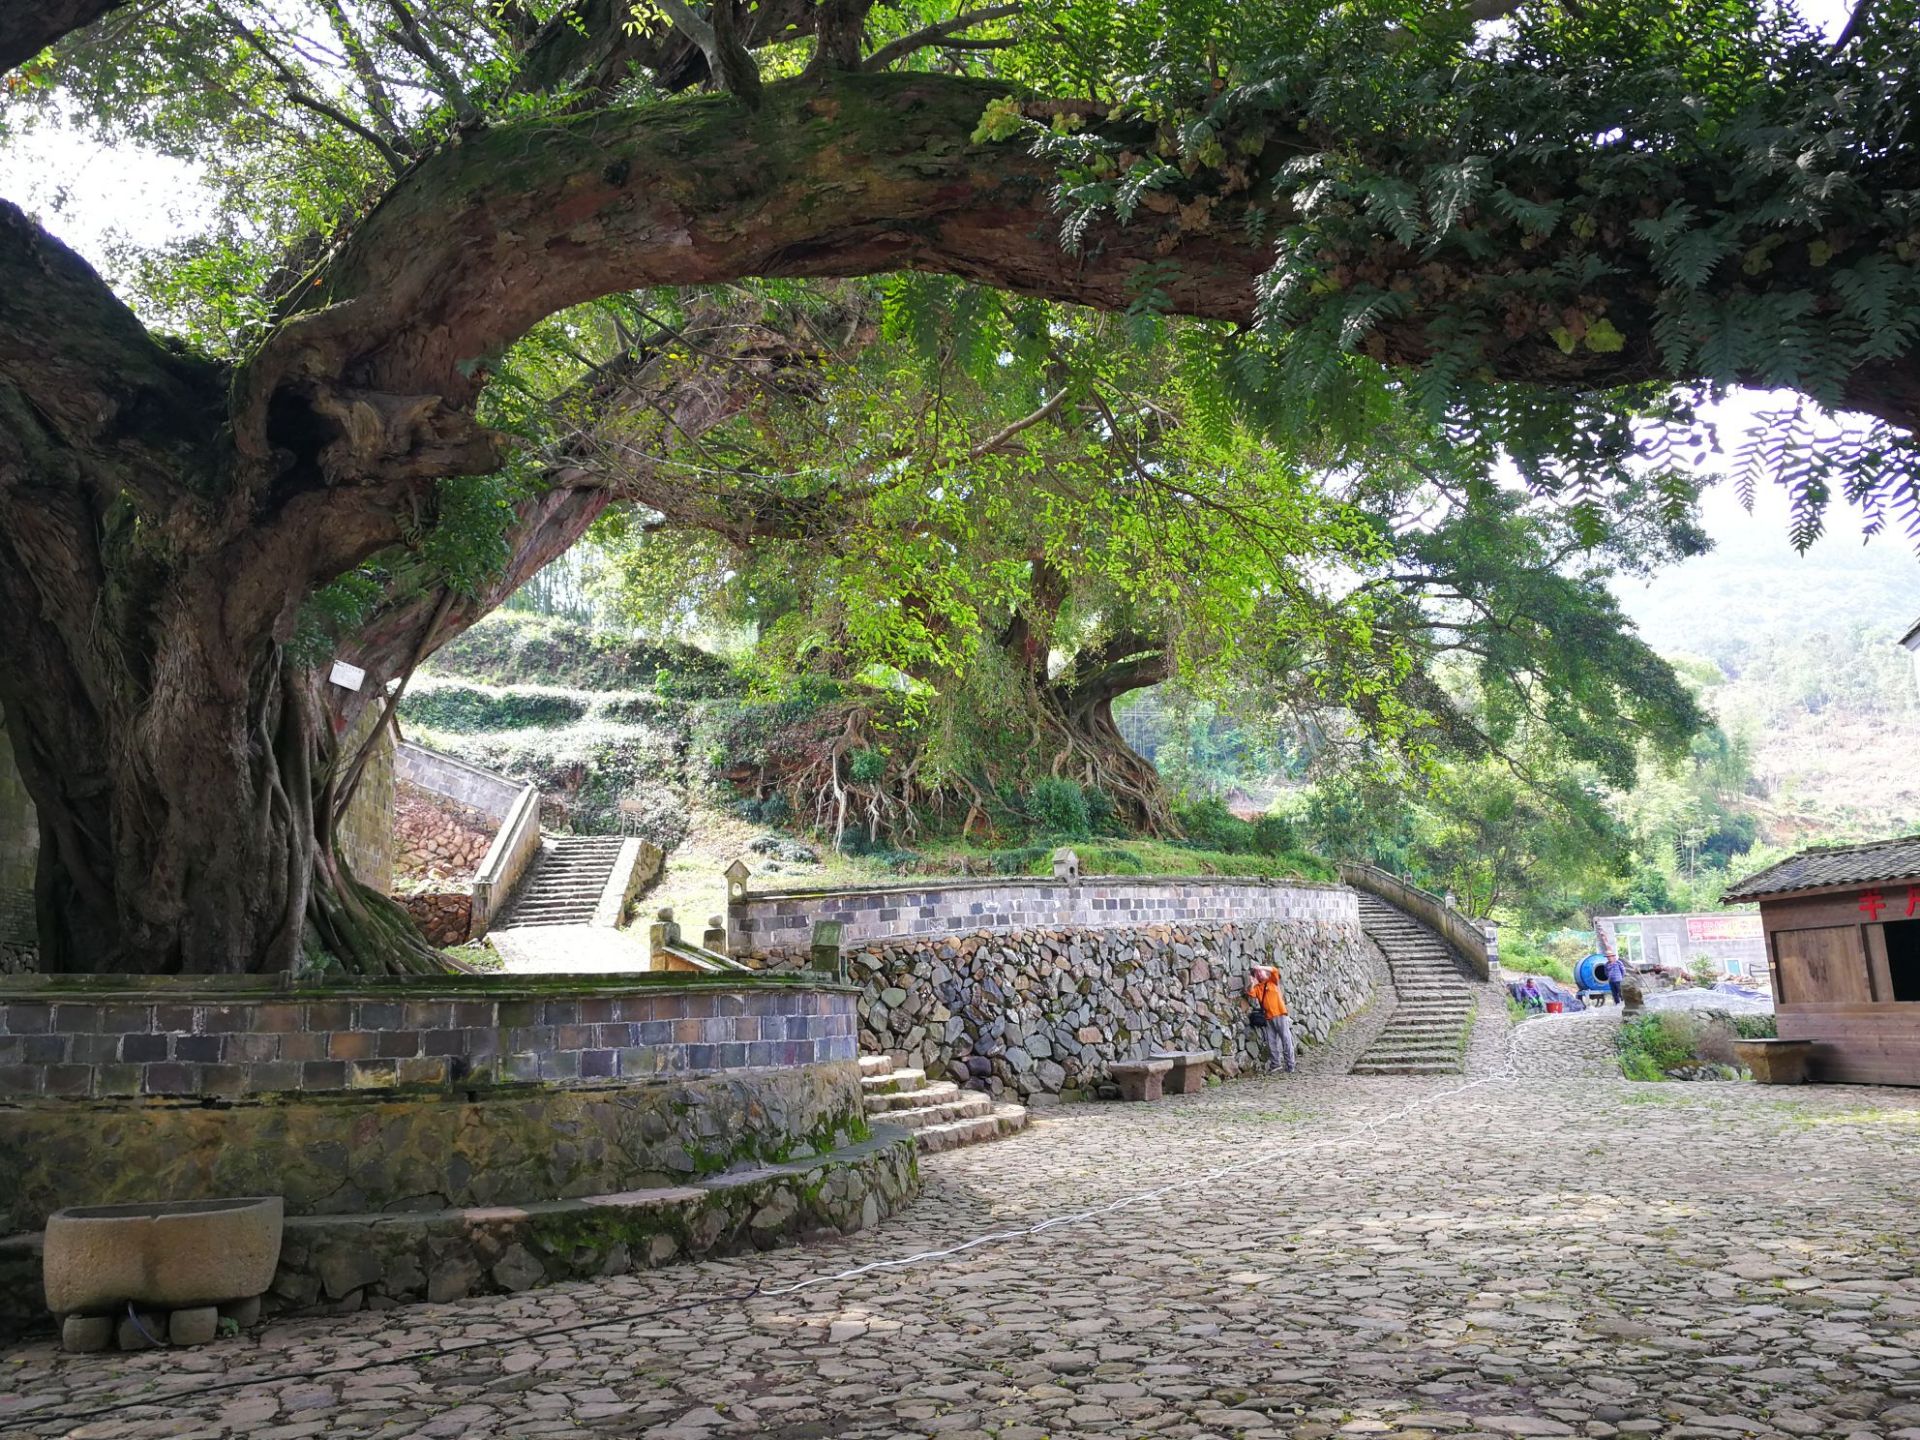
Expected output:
(348, 677)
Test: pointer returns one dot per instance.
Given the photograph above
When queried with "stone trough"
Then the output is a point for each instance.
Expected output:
(170, 1269)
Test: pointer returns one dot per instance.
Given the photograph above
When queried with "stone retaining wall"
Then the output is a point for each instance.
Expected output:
(778, 924)
(98, 1037)
(457, 780)
(445, 917)
(348, 1154)
(365, 831)
(438, 837)
(393, 1197)
(1033, 1013)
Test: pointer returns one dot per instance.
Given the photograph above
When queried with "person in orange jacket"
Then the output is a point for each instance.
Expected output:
(1265, 992)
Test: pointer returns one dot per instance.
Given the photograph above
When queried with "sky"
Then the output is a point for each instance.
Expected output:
(89, 194)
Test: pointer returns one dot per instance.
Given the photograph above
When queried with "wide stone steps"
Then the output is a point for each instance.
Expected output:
(566, 883)
(1425, 1034)
(941, 1115)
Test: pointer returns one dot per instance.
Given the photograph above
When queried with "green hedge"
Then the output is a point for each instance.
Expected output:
(465, 710)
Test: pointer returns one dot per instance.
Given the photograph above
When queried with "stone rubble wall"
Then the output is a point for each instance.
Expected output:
(399, 1197)
(437, 837)
(445, 917)
(1033, 1013)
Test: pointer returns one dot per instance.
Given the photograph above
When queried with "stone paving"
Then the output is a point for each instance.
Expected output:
(1568, 1046)
(1398, 1258)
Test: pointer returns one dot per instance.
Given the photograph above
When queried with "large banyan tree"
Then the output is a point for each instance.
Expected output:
(1546, 229)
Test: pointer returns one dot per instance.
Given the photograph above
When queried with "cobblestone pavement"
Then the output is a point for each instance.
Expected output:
(1518, 1258)
(1568, 1046)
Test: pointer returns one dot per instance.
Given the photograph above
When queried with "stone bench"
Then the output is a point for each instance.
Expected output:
(1139, 1079)
(1189, 1073)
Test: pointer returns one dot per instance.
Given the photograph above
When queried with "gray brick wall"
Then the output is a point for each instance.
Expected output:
(778, 924)
(181, 1041)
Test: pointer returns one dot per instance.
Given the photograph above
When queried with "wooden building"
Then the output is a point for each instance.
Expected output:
(1843, 933)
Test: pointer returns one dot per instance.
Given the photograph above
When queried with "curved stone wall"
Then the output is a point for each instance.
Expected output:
(102, 1036)
(346, 1154)
(1035, 1012)
(777, 925)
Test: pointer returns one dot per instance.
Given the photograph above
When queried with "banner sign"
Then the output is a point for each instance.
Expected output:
(1723, 927)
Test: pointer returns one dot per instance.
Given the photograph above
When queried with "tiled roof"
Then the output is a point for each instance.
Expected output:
(1829, 865)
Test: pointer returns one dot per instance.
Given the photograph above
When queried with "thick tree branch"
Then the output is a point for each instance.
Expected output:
(29, 26)
(906, 45)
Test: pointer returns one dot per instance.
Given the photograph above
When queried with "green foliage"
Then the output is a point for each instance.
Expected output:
(467, 709)
(1207, 824)
(1656, 1045)
(1058, 808)
(1274, 835)
(867, 765)
(510, 648)
(1522, 954)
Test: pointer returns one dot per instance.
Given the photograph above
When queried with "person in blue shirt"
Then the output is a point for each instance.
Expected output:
(1616, 973)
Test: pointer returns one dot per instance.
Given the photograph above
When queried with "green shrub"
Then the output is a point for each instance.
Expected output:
(466, 710)
(1209, 825)
(641, 710)
(866, 765)
(1058, 808)
(1100, 860)
(1273, 835)
(514, 648)
(1756, 1027)
(1018, 861)
(1102, 814)
(1523, 953)
(1651, 1045)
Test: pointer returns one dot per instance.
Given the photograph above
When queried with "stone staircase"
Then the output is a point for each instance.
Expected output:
(940, 1115)
(565, 884)
(1426, 1035)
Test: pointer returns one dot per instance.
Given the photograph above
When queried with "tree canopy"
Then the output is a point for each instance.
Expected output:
(1488, 235)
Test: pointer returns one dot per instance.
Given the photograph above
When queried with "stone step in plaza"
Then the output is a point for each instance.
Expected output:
(941, 1114)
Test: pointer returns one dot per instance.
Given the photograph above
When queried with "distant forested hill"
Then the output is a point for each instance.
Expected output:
(1814, 679)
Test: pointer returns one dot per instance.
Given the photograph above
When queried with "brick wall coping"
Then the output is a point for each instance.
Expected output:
(196, 988)
(929, 883)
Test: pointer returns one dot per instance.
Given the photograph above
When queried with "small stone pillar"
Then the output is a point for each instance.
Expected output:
(663, 932)
(823, 954)
(736, 875)
(715, 937)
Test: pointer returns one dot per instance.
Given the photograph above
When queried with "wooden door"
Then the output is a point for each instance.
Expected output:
(1824, 966)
